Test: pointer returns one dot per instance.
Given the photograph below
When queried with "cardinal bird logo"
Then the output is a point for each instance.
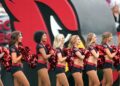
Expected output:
(51, 16)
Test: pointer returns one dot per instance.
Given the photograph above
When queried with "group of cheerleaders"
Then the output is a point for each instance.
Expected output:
(40, 37)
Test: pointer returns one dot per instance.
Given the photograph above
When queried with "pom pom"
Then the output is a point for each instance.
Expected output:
(70, 58)
(25, 51)
(116, 58)
(6, 59)
(53, 59)
(101, 59)
(33, 60)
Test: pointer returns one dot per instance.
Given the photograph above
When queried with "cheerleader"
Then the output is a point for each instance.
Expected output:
(91, 64)
(1, 55)
(40, 38)
(16, 70)
(61, 79)
(118, 69)
(77, 67)
(107, 66)
(116, 14)
(118, 66)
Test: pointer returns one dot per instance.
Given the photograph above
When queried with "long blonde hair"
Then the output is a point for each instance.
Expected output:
(72, 41)
(57, 43)
(89, 39)
(106, 35)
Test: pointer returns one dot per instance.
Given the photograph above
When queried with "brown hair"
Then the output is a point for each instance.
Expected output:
(106, 35)
(14, 37)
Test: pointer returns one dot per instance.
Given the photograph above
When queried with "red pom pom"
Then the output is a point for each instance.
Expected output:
(70, 58)
(25, 51)
(114, 48)
(101, 58)
(50, 49)
(100, 49)
(100, 62)
(5, 50)
(6, 59)
(33, 60)
(52, 60)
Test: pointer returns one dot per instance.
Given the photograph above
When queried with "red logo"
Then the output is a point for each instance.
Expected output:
(29, 16)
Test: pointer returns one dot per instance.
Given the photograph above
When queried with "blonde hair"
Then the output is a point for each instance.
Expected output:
(89, 39)
(114, 7)
(57, 43)
(106, 35)
(72, 41)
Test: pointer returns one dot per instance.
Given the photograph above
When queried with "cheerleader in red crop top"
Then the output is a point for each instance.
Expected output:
(61, 79)
(40, 38)
(107, 66)
(91, 64)
(77, 67)
(1, 55)
(16, 71)
(118, 65)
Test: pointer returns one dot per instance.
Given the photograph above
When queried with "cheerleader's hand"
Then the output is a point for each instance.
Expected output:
(115, 53)
(65, 57)
(52, 52)
(20, 56)
(83, 56)
(6, 50)
(1, 55)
